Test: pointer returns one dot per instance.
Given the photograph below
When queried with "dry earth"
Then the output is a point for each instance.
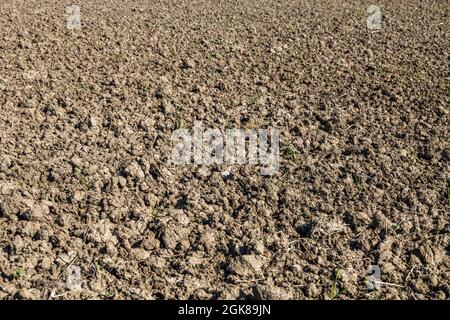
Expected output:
(85, 123)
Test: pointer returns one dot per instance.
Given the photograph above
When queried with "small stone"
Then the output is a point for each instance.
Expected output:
(39, 212)
(157, 262)
(167, 107)
(151, 243)
(208, 240)
(78, 196)
(245, 265)
(45, 263)
(101, 233)
(204, 172)
(140, 254)
(76, 162)
(62, 220)
(188, 63)
(92, 122)
(259, 248)
(171, 235)
(312, 290)
(403, 152)
(267, 292)
(226, 173)
(122, 182)
(5, 163)
(134, 170)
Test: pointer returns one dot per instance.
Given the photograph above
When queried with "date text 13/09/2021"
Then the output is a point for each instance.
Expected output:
(233, 309)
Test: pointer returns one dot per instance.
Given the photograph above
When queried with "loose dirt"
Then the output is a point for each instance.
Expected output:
(86, 117)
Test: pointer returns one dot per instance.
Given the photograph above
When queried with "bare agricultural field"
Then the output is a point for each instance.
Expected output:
(92, 205)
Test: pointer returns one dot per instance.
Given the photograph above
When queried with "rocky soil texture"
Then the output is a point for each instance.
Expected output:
(86, 117)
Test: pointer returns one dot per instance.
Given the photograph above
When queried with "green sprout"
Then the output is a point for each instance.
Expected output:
(334, 291)
(108, 293)
(85, 180)
(155, 213)
(179, 123)
(290, 153)
(19, 273)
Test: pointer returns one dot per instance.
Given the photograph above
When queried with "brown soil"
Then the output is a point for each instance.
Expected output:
(85, 123)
